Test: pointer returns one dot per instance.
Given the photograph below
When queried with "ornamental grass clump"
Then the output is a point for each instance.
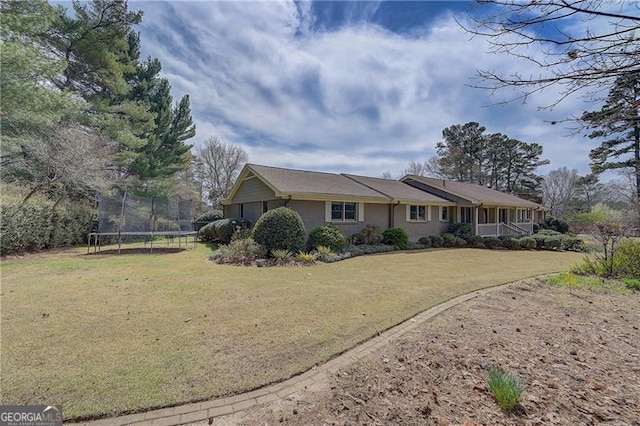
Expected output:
(506, 388)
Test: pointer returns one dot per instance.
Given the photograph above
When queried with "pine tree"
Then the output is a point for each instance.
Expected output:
(618, 121)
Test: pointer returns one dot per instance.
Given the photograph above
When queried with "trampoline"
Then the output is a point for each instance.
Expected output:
(136, 216)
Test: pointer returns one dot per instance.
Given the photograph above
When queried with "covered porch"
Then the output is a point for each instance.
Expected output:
(497, 221)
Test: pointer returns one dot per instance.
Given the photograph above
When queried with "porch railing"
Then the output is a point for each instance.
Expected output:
(498, 229)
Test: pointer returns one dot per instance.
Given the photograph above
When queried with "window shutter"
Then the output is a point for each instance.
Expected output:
(360, 212)
(428, 213)
(408, 218)
(327, 211)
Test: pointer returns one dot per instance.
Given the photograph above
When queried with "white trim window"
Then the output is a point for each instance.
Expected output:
(444, 214)
(343, 211)
(418, 213)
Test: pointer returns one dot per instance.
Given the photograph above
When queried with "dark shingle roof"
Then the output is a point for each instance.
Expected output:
(399, 191)
(289, 181)
(476, 194)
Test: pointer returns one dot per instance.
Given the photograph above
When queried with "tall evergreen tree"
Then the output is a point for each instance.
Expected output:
(618, 122)
(467, 154)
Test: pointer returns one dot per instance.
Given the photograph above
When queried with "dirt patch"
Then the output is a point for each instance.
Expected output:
(577, 353)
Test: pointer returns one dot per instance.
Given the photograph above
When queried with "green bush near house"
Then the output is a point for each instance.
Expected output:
(459, 229)
(558, 225)
(476, 241)
(528, 243)
(511, 243)
(222, 230)
(492, 242)
(448, 240)
(241, 251)
(370, 234)
(395, 236)
(280, 228)
(206, 218)
(436, 241)
(425, 242)
(327, 236)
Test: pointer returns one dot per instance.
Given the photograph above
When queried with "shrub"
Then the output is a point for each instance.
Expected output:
(448, 240)
(459, 242)
(436, 241)
(552, 243)
(327, 236)
(223, 230)
(37, 225)
(540, 240)
(306, 258)
(362, 249)
(557, 225)
(511, 243)
(492, 242)
(370, 234)
(528, 243)
(626, 259)
(548, 232)
(207, 233)
(460, 229)
(475, 241)
(207, 217)
(395, 236)
(281, 256)
(536, 228)
(244, 251)
(506, 388)
(280, 228)
(425, 242)
(572, 243)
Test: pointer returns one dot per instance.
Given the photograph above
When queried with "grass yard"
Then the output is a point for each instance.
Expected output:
(109, 334)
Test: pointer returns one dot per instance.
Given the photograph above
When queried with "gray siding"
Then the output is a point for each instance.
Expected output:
(313, 215)
(416, 230)
(253, 190)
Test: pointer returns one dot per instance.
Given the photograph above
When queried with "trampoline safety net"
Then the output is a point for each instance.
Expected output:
(132, 214)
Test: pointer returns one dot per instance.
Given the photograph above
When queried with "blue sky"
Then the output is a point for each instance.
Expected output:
(356, 87)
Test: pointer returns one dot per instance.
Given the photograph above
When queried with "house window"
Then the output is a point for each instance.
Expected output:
(444, 214)
(465, 214)
(265, 207)
(418, 213)
(343, 211)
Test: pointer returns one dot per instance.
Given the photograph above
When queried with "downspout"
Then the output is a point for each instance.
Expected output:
(287, 201)
(392, 216)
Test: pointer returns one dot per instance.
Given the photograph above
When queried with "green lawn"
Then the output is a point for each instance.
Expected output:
(109, 334)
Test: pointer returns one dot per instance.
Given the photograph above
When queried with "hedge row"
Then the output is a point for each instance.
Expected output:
(36, 225)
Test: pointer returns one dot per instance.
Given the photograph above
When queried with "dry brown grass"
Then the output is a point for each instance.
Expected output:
(109, 334)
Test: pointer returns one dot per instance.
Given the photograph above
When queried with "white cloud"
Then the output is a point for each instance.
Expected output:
(358, 99)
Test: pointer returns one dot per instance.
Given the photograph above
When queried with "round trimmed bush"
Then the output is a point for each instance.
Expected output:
(395, 236)
(460, 242)
(224, 230)
(207, 233)
(492, 242)
(552, 243)
(448, 240)
(280, 229)
(511, 243)
(326, 236)
(436, 241)
(206, 218)
(528, 243)
(475, 241)
(425, 242)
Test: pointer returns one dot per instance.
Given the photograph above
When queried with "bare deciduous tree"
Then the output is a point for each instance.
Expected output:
(220, 164)
(67, 161)
(386, 175)
(558, 189)
(575, 43)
